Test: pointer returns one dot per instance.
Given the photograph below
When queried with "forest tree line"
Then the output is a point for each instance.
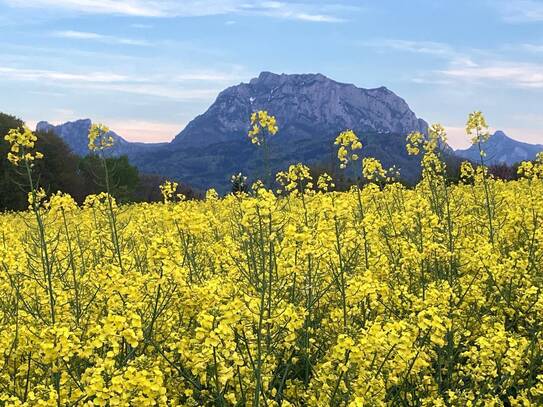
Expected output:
(62, 170)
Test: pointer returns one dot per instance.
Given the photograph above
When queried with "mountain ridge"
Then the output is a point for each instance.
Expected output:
(75, 135)
(501, 149)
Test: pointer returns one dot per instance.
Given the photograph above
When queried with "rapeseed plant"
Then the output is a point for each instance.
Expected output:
(381, 295)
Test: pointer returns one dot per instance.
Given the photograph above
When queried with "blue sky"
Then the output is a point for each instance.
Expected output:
(147, 67)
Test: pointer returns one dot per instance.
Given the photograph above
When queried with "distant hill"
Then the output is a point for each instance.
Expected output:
(501, 149)
(75, 135)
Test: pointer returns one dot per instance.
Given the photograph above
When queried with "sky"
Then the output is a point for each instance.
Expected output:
(148, 67)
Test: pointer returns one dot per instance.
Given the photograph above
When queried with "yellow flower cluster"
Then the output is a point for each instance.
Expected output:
(262, 121)
(477, 128)
(168, 190)
(22, 142)
(100, 137)
(372, 169)
(348, 143)
(529, 169)
(297, 178)
(325, 182)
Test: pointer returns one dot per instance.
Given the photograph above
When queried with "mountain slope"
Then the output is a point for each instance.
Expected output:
(501, 149)
(310, 109)
(75, 135)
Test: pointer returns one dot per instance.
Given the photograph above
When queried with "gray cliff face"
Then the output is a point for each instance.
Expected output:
(309, 105)
(501, 149)
(74, 134)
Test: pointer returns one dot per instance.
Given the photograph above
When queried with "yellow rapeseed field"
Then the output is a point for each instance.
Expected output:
(383, 295)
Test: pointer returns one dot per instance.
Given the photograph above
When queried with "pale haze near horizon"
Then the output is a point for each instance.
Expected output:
(146, 68)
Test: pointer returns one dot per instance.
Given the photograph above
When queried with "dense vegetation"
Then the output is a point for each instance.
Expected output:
(382, 295)
(61, 170)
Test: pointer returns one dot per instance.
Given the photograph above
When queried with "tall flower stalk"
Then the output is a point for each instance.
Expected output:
(100, 139)
(477, 128)
(263, 126)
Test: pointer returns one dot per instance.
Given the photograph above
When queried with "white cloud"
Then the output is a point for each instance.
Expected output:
(82, 35)
(40, 74)
(156, 86)
(475, 66)
(141, 26)
(419, 47)
(437, 49)
(206, 77)
(522, 75)
(520, 11)
(124, 7)
(303, 11)
(533, 48)
(318, 18)
(162, 91)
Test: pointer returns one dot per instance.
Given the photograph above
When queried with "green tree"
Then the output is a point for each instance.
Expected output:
(57, 171)
(124, 178)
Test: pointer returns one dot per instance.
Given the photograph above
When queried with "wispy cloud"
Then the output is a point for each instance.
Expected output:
(141, 26)
(437, 49)
(519, 11)
(302, 11)
(533, 48)
(91, 36)
(419, 47)
(176, 87)
(22, 74)
(479, 67)
(122, 7)
(522, 75)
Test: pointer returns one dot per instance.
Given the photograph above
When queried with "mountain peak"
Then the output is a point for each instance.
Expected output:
(500, 135)
(75, 134)
(502, 149)
(270, 78)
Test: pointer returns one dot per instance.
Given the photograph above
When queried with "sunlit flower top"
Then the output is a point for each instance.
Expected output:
(100, 137)
(437, 136)
(298, 178)
(477, 128)
(348, 143)
(529, 169)
(22, 142)
(372, 169)
(262, 121)
(325, 182)
(168, 189)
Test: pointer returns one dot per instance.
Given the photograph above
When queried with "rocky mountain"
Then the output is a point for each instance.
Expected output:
(75, 135)
(311, 110)
(304, 103)
(501, 149)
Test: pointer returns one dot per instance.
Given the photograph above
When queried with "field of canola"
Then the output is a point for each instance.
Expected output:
(384, 295)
